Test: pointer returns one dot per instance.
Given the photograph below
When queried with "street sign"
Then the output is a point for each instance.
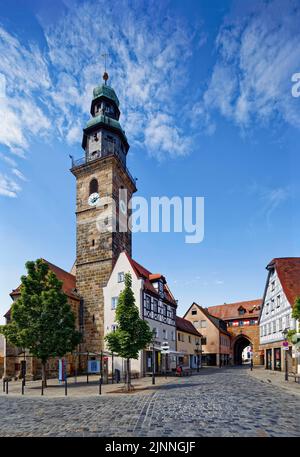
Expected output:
(285, 348)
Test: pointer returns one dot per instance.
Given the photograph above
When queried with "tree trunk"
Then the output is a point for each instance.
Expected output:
(44, 374)
(128, 375)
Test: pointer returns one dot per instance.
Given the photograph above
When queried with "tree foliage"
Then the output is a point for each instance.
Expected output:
(296, 309)
(133, 333)
(42, 320)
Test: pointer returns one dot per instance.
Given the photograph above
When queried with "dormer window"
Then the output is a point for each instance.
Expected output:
(241, 311)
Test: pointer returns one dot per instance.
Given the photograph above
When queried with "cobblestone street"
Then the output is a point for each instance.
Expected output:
(227, 402)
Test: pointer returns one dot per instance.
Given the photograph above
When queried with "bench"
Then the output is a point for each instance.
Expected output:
(295, 376)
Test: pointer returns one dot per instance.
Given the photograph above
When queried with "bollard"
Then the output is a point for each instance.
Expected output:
(66, 386)
(42, 390)
(6, 386)
(23, 385)
(100, 386)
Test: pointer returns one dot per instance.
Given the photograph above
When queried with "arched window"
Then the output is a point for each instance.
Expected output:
(93, 186)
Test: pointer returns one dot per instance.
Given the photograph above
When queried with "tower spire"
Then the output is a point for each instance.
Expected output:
(105, 74)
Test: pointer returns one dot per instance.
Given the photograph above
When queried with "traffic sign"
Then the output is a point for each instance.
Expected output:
(285, 348)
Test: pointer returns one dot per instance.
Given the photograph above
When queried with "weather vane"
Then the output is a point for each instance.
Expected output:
(105, 75)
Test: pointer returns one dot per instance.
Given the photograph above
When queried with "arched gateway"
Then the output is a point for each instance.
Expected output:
(239, 344)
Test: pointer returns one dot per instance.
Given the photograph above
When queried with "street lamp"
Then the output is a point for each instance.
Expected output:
(285, 333)
(153, 356)
(197, 350)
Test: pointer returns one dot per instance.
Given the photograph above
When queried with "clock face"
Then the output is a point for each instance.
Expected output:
(93, 199)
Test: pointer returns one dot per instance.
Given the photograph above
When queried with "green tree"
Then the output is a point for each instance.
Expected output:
(42, 320)
(296, 309)
(133, 334)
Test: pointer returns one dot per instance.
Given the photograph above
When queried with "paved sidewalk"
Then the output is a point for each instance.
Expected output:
(275, 378)
(80, 387)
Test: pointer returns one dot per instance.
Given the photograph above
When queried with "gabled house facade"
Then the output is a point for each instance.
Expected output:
(188, 342)
(156, 305)
(242, 323)
(281, 290)
(216, 344)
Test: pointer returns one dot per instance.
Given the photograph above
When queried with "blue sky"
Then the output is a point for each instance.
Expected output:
(205, 92)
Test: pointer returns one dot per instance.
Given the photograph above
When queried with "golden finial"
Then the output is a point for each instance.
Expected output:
(105, 74)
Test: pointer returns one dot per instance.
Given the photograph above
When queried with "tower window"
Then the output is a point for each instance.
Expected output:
(93, 186)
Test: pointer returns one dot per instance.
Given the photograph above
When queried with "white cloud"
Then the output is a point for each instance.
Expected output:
(258, 52)
(49, 92)
(8, 187)
(19, 174)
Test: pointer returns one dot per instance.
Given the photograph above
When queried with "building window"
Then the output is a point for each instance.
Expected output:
(173, 335)
(114, 302)
(165, 310)
(203, 341)
(190, 340)
(194, 311)
(93, 186)
(114, 327)
(241, 323)
(155, 305)
(196, 323)
(155, 332)
(165, 334)
(241, 311)
(148, 303)
(272, 286)
(280, 324)
(203, 324)
(267, 308)
(272, 305)
(287, 321)
(252, 322)
(178, 336)
(121, 276)
(274, 326)
(269, 328)
(278, 301)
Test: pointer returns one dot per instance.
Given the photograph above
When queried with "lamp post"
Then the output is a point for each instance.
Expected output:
(197, 350)
(153, 356)
(286, 375)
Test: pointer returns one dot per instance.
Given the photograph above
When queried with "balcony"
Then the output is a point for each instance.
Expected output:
(101, 154)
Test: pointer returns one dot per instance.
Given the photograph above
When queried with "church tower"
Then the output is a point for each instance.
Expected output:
(101, 175)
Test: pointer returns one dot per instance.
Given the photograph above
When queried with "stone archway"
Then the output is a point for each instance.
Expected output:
(239, 345)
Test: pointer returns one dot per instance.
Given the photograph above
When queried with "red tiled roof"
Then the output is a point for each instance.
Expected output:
(230, 311)
(288, 271)
(186, 326)
(147, 276)
(69, 284)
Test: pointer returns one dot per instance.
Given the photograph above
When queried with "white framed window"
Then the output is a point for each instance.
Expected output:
(278, 301)
(280, 324)
(121, 276)
(203, 324)
(114, 327)
(148, 302)
(272, 305)
(155, 331)
(274, 326)
(272, 286)
(165, 334)
(114, 302)
(267, 308)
